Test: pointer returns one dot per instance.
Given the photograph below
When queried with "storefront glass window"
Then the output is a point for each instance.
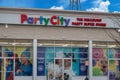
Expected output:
(61, 59)
(102, 53)
(23, 61)
(15, 58)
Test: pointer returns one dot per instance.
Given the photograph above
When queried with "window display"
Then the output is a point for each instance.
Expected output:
(61, 63)
(101, 57)
(15, 61)
(57, 61)
(100, 62)
(25, 65)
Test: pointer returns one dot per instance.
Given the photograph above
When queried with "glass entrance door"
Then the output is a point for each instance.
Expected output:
(58, 68)
(114, 69)
(67, 70)
(62, 69)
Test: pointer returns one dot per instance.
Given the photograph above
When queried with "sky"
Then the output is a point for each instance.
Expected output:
(85, 5)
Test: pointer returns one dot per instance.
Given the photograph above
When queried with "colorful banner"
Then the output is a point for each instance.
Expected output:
(114, 72)
(40, 67)
(54, 61)
(23, 62)
(83, 57)
(7, 63)
(40, 61)
(83, 52)
(75, 61)
(114, 66)
(100, 60)
(83, 68)
(41, 52)
(23, 66)
(51, 60)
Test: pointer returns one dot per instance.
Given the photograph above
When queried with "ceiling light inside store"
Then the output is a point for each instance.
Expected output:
(13, 44)
(25, 43)
(40, 44)
(112, 46)
(65, 45)
(98, 45)
(20, 44)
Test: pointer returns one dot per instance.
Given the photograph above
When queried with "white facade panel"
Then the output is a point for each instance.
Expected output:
(58, 20)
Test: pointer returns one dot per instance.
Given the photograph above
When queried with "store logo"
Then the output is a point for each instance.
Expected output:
(62, 21)
(53, 20)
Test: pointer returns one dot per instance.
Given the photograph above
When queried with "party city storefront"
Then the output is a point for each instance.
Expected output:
(58, 45)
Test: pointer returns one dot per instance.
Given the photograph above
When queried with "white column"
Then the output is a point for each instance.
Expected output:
(35, 59)
(90, 59)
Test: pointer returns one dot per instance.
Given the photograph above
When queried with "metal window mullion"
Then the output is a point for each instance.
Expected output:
(108, 68)
(54, 59)
(14, 63)
(4, 68)
(63, 69)
(90, 59)
(34, 59)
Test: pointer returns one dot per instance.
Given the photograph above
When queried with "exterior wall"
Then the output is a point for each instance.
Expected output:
(55, 33)
(26, 31)
(21, 31)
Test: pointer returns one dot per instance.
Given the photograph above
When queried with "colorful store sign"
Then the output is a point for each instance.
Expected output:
(62, 21)
(57, 20)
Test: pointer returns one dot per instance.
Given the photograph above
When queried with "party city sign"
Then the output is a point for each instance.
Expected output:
(55, 20)
(62, 21)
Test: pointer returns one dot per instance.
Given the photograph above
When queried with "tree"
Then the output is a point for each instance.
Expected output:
(116, 20)
(115, 36)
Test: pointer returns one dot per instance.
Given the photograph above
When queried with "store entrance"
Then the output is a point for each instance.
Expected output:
(114, 69)
(62, 69)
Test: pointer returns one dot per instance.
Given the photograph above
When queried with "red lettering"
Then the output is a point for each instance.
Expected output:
(35, 20)
(79, 19)
(86, 19)
(58, 21)
(92, 20)
(52, 20)
(89, 24)
(77, 23)
(23, 18)
(101, 24)
(98, 20)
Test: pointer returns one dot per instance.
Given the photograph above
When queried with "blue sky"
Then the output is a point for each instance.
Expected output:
(86, 5)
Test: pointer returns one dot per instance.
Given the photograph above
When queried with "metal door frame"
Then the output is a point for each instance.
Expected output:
(62, 66)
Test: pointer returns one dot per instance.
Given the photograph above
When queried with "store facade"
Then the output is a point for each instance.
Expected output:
(57, 45)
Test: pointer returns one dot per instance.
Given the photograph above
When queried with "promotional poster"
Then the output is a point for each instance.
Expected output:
(101, 57)
(21, 57)
(114, 66)
(61, 63)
